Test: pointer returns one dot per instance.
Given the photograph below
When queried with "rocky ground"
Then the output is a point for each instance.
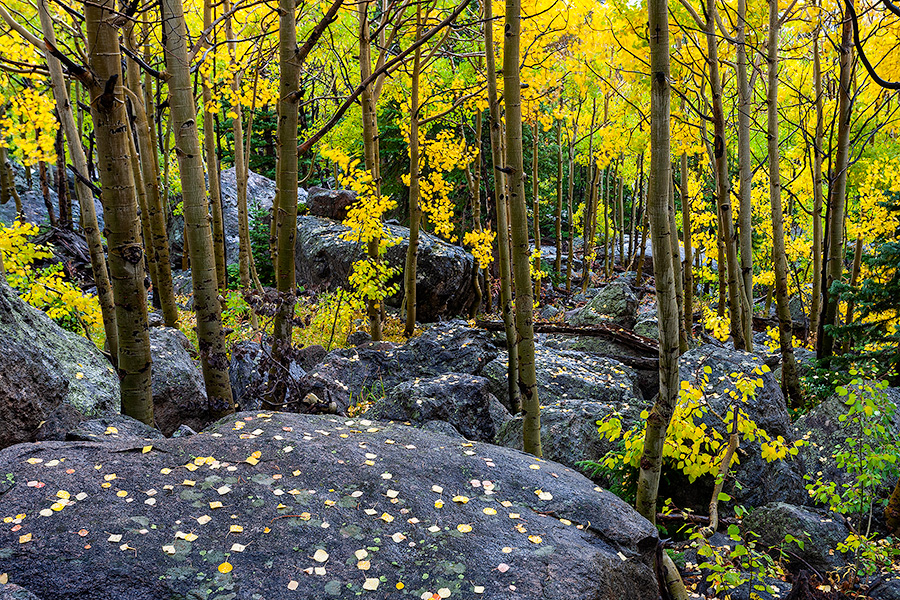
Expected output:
(425, 493)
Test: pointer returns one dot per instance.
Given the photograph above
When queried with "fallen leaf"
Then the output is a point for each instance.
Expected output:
(320, 556)
(371, 584)
(225, 567)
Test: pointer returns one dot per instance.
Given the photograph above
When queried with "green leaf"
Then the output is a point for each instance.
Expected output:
(723, 497)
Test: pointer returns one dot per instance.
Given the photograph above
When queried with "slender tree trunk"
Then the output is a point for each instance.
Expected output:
(688, 252)
(590, 210)
(557, 264)
(45, 192)
(745, 212)
(723, 182)
(240, 166)
(790, 381)
(817, 187)
(285, 218)
(854, 277)
(503, 262)
(531, 407)
(536, 204)
(675, 249)
(370, 142)
(409, 272)
(212, 162)
(62, 184)
(126, 256)
(834, 264)
(210, 335)
(156, 240)
(667, 307)
(571, 198)
(82, 192)
(621, 220)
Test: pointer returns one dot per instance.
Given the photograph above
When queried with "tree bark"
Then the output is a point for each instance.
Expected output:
(212, 162)
(723, 183)
(208, 311)
(790, 381)
(675, 249)
(834, 262)
(409, 272)
(815, 304)
(745, 212)
(557, 264)
(126, 256)
(688, 251)
(667, 307)
(503, 257)
(536, 204)
(531, 407)
(83, 193)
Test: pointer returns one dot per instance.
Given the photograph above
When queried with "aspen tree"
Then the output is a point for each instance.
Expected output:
(409, 272)
(126, 255)
(83, 193)
(210, 335)
(834, 238)
(512, 101)
(212, 160)
(504, 264)
(790, 381)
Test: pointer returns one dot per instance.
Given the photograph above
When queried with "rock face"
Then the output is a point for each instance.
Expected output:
(114, 427)
(370, 371)
(444, 284)
(260, 193)
(760, 481)
(461, 400)
(826, 434)
(331, 204)
(576, 390)
(249, 378)
(47, 373)
(311, 501)
(179, 394)
(33, 206)
(615, 302)
(820, 531)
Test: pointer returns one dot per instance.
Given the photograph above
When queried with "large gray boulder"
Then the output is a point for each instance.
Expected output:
(461, 400)
(826, 434)
(179, 394)
(754, 481)
(368, 372)
(820, 532)
(444, 272)
(576, 391)
(249, 375)
(331, 204)
(260, 194)
(34, 208)
(614, 302)
(315, 507)
(47, 372)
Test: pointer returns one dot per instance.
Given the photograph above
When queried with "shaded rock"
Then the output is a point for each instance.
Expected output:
(249, 375)
(358, 338)
(604, 551)
(33, 206)
(576, 390)
(43, 366)
(183, 431)
(889, 589)
(463, 401)
(260, 194)
(444, 275)
(820, 531)
(759, 481)
(116, 427)
(58, 423)
(331, 204)
(11, 591)
(155, 319)
(179, 394)
(614, 302)
(350, 375)
(826, 435)
(548, 311)
(648, 328)
(309, 356)
(565, 375)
